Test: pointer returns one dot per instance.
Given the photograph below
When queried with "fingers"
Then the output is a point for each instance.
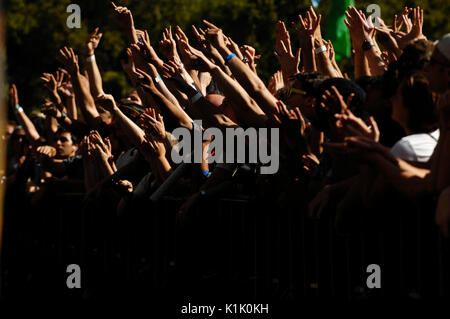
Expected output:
(210, 25)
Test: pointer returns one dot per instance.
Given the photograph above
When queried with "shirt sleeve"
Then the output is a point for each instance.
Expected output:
(404, 150)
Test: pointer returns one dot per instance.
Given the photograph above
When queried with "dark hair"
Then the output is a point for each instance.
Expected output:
(414, 58)
(73, 137)
(418, 99)
(310, 81)
(370, 81)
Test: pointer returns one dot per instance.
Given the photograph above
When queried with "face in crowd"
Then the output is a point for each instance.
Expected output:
(65, 147)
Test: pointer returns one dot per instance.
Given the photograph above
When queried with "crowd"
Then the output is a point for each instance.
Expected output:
(349, 145)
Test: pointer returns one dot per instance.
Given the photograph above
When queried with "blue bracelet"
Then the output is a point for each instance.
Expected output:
(232, 55)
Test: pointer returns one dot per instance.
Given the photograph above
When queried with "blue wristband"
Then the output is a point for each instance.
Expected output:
(232, 55)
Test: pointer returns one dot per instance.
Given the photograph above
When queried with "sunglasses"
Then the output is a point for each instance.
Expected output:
(293, 90)
(62, 139)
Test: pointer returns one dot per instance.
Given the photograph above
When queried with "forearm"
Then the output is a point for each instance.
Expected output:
(85, 101)
(161, 167)
(324, 64)
(161, 85)
(30, 130)
(243, 105)
(251, 83)
(407, 179)
(105, 168)
(167, 107)
(361, 65)
(309, 62)
(133, 132)
(376, 64)
(95, 77)
(71, 107)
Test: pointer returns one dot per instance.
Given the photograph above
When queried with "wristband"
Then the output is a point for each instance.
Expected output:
(196, 97)
(158, 78)
(19, 109)
(90, 58)
(228, 58)
(63, 116)
(320, 49)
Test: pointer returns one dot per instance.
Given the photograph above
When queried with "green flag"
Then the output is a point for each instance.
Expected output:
(337, 31)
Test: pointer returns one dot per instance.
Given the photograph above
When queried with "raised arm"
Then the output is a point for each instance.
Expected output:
(124, 20)
(243, 74)
(30, 130)
(80, 83)
(95, 77)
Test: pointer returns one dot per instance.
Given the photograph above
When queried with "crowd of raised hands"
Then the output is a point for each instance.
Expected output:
(356, 138)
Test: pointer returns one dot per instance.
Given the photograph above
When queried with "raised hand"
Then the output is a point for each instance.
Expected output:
(143, 78)
(283, 51)
(200, 35)
(123, 17)
(93, 41)
(310, 27)
(360, 30)
(69, 60)
(333, 102)
(183, 46)
(13, 96)
(107, 102)
(168, 45)
(152, 147)
(355, 126)
(64, 84)
(215, 37)
(417, 24)
(276, 83)
(51, 110)
(153, 124)
(101, 149)
(148, 52)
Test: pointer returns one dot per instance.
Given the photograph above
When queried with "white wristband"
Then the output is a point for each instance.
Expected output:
(90, 58)
(320, 49)
(19, 109)
(196, 97)
(158, 78)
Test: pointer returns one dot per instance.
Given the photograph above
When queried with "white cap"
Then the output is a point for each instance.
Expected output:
(443, 45)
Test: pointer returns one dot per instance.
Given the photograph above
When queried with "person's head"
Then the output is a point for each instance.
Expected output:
(134, 97)
(301, 91)
(18, 141)
(65, 144)
(438, 69)
(412, 105)
(415, 57)
(376, 102)
(105, 115)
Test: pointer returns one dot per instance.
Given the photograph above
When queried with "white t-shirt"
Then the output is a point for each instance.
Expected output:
(416, 147)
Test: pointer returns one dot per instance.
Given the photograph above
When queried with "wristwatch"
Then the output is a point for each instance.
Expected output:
(367, 45)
